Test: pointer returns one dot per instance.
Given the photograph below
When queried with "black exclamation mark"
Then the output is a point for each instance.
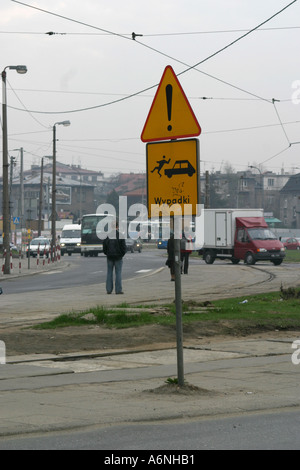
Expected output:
(169, 92)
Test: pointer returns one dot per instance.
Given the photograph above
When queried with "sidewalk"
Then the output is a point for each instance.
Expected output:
(25, 266)
(58, 392)
(232, 377)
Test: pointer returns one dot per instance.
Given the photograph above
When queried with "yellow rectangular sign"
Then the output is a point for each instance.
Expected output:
(173, 176)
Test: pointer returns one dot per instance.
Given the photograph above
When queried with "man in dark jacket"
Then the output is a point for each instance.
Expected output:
(114, 248)
(171, 256)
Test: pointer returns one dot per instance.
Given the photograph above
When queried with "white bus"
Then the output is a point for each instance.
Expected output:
(91, 243)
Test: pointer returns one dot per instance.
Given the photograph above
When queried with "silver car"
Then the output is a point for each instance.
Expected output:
(42, 244)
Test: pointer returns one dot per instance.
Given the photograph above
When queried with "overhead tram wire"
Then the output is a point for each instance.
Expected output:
(273, 100)
(284, 131)
(25, 109)
(133, 36)
(193, 67)
(178, 33)
(72, 20)
(232, 42)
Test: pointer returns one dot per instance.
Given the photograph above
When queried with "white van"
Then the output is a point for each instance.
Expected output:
(70, 240)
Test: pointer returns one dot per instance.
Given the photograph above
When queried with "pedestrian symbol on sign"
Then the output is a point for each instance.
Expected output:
(161, 163)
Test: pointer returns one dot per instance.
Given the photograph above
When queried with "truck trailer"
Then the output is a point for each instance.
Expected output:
(239, 234)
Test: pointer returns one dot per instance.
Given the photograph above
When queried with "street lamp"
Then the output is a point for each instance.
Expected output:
(262, 185)
(6, 213)
(53, 215)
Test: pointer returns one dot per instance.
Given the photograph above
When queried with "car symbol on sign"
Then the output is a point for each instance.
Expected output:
(181, 167)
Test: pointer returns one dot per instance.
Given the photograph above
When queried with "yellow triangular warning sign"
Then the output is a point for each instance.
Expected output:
(170, 116)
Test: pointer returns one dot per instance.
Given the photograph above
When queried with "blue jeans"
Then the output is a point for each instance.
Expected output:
(111, 265)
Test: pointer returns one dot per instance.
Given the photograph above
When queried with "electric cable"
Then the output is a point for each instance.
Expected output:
(25, 109)
(166, 55)
(182, 33)
(280, 120)
(159, 52)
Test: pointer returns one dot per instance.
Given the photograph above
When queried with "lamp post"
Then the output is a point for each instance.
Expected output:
(53, 214)
(262, 185)
(6, 213)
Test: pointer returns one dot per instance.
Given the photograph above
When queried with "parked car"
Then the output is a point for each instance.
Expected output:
(134, 245)
(12, 246)
(162, 244)
(290, 243)
(40, 243)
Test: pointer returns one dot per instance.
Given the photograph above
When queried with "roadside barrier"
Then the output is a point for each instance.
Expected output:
(54, 255)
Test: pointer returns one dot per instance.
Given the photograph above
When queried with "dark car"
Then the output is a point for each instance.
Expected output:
(181, 167)
(162, 244)
(291, 243)
(133, 245)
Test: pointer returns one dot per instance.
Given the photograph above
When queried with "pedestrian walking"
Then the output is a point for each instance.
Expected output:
(185, 251)
(114, 248)
(171, 256)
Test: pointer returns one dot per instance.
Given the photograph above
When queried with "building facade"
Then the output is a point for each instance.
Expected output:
(290, 202)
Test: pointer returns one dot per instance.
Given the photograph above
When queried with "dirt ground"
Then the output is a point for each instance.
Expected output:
(83, 339)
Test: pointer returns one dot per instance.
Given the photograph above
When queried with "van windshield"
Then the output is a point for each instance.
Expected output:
(261, 234)
(71, 234)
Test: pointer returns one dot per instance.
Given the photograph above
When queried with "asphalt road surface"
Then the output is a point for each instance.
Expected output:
(257, 431)
(85, 271)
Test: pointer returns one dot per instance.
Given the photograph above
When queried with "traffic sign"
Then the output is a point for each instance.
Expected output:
(16, 220)
(170, 116)
(172, 176)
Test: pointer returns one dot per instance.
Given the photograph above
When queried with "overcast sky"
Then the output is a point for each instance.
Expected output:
(92, 73)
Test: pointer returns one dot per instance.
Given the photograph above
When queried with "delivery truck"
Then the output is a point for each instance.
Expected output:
(239, 234)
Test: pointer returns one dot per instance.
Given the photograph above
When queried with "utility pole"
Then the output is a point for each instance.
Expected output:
(261, 185)
(6, 220)
(206, 205)
(53, 215)
(41, 200)
(22, 190)
(12, 164)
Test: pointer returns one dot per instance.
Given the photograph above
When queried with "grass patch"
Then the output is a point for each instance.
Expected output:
(119, 317)
(292, 256)
(240, 315)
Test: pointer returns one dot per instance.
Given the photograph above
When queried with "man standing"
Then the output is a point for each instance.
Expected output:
(171, 256)
(185, 251)
(114, 248)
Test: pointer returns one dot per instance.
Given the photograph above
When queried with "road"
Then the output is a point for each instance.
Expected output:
(246, 380)
(83, 271)
(263, 431)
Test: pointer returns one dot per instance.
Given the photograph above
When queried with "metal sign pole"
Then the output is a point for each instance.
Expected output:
(178, 303)
(170, 118)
